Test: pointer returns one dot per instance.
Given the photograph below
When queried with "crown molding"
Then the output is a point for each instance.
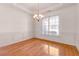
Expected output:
(22, 8)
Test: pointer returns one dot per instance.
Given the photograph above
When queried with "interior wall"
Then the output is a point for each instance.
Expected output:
(66, 25)
(77, 26)
(15, 25)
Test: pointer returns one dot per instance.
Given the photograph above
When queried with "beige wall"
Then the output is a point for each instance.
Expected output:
(67, 16)
(77, 26)
(15, 25)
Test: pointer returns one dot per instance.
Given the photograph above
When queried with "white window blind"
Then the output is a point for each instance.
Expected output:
(50, 25)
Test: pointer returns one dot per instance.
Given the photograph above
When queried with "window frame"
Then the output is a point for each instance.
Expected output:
(47, 32)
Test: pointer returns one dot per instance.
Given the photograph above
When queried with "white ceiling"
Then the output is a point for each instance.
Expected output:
(33, 8)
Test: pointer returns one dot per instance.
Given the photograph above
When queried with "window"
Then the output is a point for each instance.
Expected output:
(50, 25)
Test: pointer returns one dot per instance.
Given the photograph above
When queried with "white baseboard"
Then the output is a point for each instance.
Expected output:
(56, 40)
(15, 41)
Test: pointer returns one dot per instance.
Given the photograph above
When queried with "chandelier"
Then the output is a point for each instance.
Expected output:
(37, 16)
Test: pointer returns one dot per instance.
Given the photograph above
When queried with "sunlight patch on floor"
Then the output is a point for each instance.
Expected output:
(51, 50)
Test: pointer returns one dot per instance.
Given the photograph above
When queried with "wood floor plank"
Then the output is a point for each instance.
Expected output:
(38, 47)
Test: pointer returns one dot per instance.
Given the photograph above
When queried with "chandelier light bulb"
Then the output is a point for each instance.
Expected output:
(36, 16)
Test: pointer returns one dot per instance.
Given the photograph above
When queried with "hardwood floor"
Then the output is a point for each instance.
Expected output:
(38, 47)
